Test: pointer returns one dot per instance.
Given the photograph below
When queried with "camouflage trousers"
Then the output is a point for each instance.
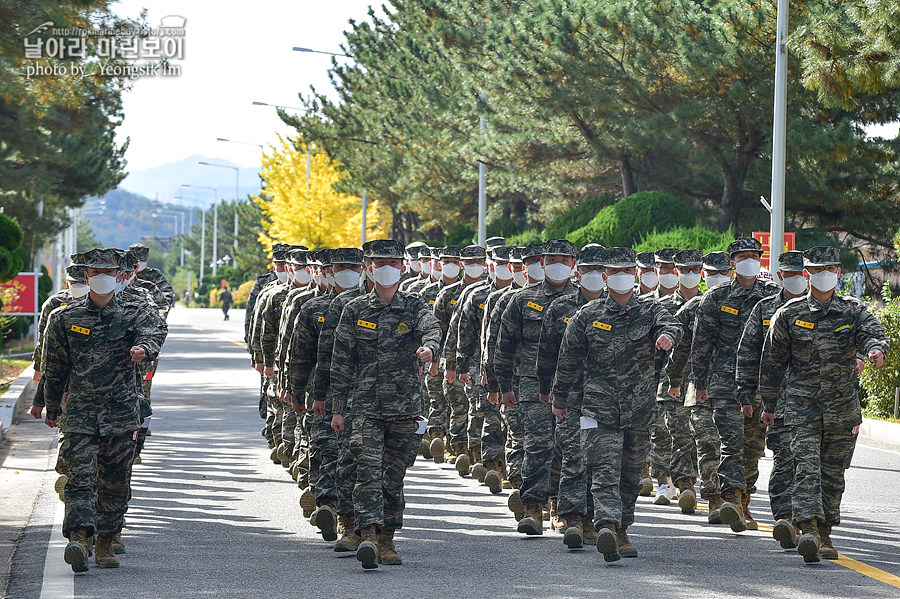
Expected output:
(492, 434)
(288, 428)
(98, 489)
(706, 437)
(438, 410)
(754, 447)
(684, 451)
(62, 456)
(475, 423)
(743, 443)
(660, 454)
(384, 450)
(323, 458)
(346, 470)
(458, 404)
(574, 495)
(274, 410)
(540, 426)
(819, 475)
(301, 436)
(614, 459)
(514, 449)
(778, 439)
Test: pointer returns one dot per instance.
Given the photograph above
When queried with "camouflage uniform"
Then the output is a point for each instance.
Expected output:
(457, 404)
(86, 354)
(612, 349)
(813, 347)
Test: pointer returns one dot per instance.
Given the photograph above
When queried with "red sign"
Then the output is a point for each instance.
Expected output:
(18, 295)
(763, 238)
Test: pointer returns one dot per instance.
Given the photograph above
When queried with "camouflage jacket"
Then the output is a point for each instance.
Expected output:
(321, 386)
(60, 298)
(451, 342)
(429, 292)
(490, 332)
(405, 285)
(256, 325)
(680, 357)
(815, 346)
(87, 354)
(470, 320)
(293, 301)
(613, 348)
(673, 303)
(261, 281)
(375, 356)
(750, 347)
(720, 320)
(520, 332)
(271, 318)
(416, 287)
(444, 306)
(304, 345)
(552, 329)
(165, 288)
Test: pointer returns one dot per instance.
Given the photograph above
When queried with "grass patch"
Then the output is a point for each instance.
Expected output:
(11, 370)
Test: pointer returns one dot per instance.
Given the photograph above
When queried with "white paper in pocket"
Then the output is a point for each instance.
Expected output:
(423, 424)
(588, 422)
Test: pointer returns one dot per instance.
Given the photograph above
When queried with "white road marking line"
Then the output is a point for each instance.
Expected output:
(59, 581)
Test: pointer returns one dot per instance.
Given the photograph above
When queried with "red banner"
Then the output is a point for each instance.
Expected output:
(763, 238)
(19, 295)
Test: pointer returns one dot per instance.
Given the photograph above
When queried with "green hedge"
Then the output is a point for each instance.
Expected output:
(11, 234)
(524, 238)
(624, 223)
(684, 238)
(879, 383)
(576, 217)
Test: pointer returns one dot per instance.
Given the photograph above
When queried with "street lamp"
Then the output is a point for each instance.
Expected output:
(236, 185)
(234, 141)
(308, 156)
(299, 49)
(215, 222)
(779, 135)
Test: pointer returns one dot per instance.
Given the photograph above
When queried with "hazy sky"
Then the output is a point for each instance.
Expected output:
(234, 53)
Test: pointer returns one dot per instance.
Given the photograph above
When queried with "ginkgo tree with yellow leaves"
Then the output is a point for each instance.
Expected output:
(311, 212)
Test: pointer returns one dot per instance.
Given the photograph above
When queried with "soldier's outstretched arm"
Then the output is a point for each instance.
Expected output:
(151, 333)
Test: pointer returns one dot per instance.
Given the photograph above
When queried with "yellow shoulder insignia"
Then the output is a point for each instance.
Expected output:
(730, 310)
(81, 330)
(320, 319)
(452, 302)
(565, 319)
(804, 324)
(766, 322)
(843, 327)
(430, 302)
(481, 306)
(366, 324)
(602, 325)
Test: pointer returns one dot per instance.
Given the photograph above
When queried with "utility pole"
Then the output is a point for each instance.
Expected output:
(779, 135)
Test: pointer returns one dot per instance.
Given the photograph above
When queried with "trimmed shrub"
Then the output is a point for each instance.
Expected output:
(879, 383)
(631, 218)
(683, 238)
(576, 217)
(461, 234)
(8, 268)
(11, 234)
(524, 238)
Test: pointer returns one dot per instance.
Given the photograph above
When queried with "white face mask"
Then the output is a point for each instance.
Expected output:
(535, 271)
(301, 277)
(415, 267)
(689, 279)
(387, 276)
(795, 285)
(346, 279)
(474, 271)
(593, 281)
(426, 268)
(282, 275)
(436, 271)
(649, 279)
(669, 281)
(824, 281)
(141, 265)
(713, 280)
(621, 282)
(102, 284)
(451, 271)
(558, 272)
(503, 272)
(519, 278)
(748, 268)
(329, 280)
(78, 289)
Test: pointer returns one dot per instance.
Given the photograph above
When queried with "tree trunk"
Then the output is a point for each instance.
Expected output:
(733, 176)
(628, 185)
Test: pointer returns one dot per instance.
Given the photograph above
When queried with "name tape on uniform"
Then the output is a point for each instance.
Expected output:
(452, 302)
(602, 325)
(366, 324)
(804, 324)
(565, 319)
(766, 322)
(81, 330)
(730, 310)
(535, 306)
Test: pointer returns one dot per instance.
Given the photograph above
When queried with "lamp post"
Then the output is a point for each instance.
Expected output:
(299, 49)
(215, 224)
(236, 192)
(779, 135)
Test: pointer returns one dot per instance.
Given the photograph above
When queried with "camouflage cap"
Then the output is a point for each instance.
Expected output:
(325, 256)
(298, 256)
(501, 252)
(424, 253)
(450, 251)
(593, 254)
(127, 260)
(620, 258)
(101, 258)
(515, 254)
(140, 251)
(560, 247)
(279, 252)
(791, 261)
(493, 242)
(312, 257)
(472, 252)
(387, 248)
(75, 272)
(646, 259)
(716, 261)
(822, 256)
(666, 255)
(346, 256)
(412, 250)
(689, 258)
(744, 244)
(77, 259)
(533, 249)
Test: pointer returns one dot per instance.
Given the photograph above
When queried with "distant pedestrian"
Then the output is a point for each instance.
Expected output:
(225, 298)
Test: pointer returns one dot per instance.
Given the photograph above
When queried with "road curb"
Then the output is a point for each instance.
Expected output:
(21, 390)
(881, 432)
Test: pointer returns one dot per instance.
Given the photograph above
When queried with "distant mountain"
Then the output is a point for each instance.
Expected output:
(164, 181)
(121, 218)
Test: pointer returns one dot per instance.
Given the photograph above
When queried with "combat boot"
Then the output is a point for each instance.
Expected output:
(731, 511)
(308, 502)
(437, 449)
(492, 478)
(271, 443)
(646, 481)
(60, 486)
(626, 548)
(462, 459)
(117, 544)
(387, 554)
(276, 459)
(745, 504)
(367, 551)
(326, 521)
(515, 505)
(533, 523)
(809, 544)
(574, 535)
(826, 547)
(77, 551)
(556, 523)
(607, 542)
(425, 446)
(451, 453)
(587, 530)
(687, 498)
(349, 540)
(478, 469)
(715, 505)
(104, 554)
(785, 532)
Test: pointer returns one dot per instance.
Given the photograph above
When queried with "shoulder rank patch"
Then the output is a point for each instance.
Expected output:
(452, 302)
(281, 304)
(730, 310)
(63, 304)
(535, 306)
(766, 322)
(366, 324)
(843, 327)
(320, 319)
(804, 324)
(602, 325)
(81, 330)
(430, 302)
(403, 328)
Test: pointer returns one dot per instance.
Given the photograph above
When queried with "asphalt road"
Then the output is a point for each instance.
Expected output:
(212, 516)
